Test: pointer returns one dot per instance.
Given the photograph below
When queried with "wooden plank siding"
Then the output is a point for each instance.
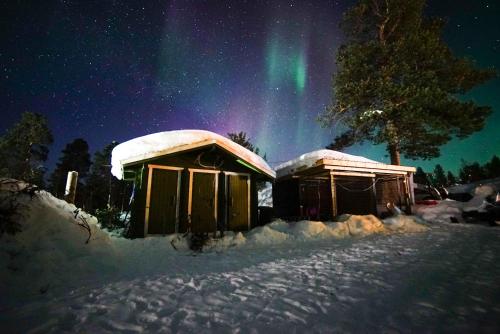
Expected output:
(238, 201)
(162, 200)
(207, 159)
(203, 209)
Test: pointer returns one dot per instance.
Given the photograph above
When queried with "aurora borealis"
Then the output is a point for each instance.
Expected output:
(115, 70)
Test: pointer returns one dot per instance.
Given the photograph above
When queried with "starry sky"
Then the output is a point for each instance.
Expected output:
(115, 70)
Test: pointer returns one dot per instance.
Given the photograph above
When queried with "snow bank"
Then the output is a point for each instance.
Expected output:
(309, 159)
(405, 224)
(52, 249)
(477, 203)
(440, 213)
(149, 146)
(470, 187)
(282, 232)
(446, 209)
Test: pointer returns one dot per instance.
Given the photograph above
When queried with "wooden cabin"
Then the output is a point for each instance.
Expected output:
(324, 184)
(190, 180)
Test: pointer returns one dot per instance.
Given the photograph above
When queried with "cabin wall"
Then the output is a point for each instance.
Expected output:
(286, 198)
(392, 189)
(209, 157)
(299, 198)
(355, 195)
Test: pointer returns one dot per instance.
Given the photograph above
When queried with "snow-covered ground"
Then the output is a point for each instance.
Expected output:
(445, 280)
(357, 275)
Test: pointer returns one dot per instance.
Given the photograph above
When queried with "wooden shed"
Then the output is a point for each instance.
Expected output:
(324, 184)
(190, 180)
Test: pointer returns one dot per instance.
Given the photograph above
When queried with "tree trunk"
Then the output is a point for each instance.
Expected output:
(394, 153)
(393, 143)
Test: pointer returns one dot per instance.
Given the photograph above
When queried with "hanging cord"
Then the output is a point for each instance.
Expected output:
(368, 188)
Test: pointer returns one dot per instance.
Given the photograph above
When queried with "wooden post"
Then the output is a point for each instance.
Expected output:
(71, 182)
(334, 196)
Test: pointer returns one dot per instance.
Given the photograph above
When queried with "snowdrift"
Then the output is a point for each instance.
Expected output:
(60, 248)
(286, 233)
(57, 245)
(470, 187)
(446, 209)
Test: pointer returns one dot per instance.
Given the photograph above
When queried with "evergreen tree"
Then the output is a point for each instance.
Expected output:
(471, 172)
(74, 157)
(24, 149)
(398, 83)
(439, 176)
(450, 178)
(241, 138)
(104, 190)
(492, 168)
(421, 177)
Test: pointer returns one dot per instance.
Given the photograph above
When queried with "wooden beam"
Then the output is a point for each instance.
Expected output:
(334, 196)
(363, 169)
(368, 165)
(148, 202)
(165, 167)
(353, 174)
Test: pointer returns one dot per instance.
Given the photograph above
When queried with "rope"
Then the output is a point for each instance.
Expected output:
(368, 188)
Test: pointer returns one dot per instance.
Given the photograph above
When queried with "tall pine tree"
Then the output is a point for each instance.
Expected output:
(492, 168)
(439, 176)
(471, 172)
(24, 149)
(398, 83)
(241, 138)
(450, 179)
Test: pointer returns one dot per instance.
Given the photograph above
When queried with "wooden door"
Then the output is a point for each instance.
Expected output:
(203, 201)
(238, 202)
(162, 209)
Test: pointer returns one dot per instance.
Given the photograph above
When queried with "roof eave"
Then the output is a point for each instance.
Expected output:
(191, 146)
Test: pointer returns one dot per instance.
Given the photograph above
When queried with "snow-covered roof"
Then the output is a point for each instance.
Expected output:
(309, 159)
(162, 143)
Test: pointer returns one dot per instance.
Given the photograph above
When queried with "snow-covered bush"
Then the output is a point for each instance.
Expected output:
(111, 219)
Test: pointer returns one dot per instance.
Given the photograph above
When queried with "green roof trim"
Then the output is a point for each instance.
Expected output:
(248, 166)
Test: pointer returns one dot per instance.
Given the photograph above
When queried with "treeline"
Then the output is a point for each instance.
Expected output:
(468, 172)
(24, 151)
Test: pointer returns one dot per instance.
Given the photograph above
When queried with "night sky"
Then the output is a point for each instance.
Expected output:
(115, 70)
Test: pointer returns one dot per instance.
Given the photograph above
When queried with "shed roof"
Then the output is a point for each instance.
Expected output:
(332, 158)
(168, 142)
